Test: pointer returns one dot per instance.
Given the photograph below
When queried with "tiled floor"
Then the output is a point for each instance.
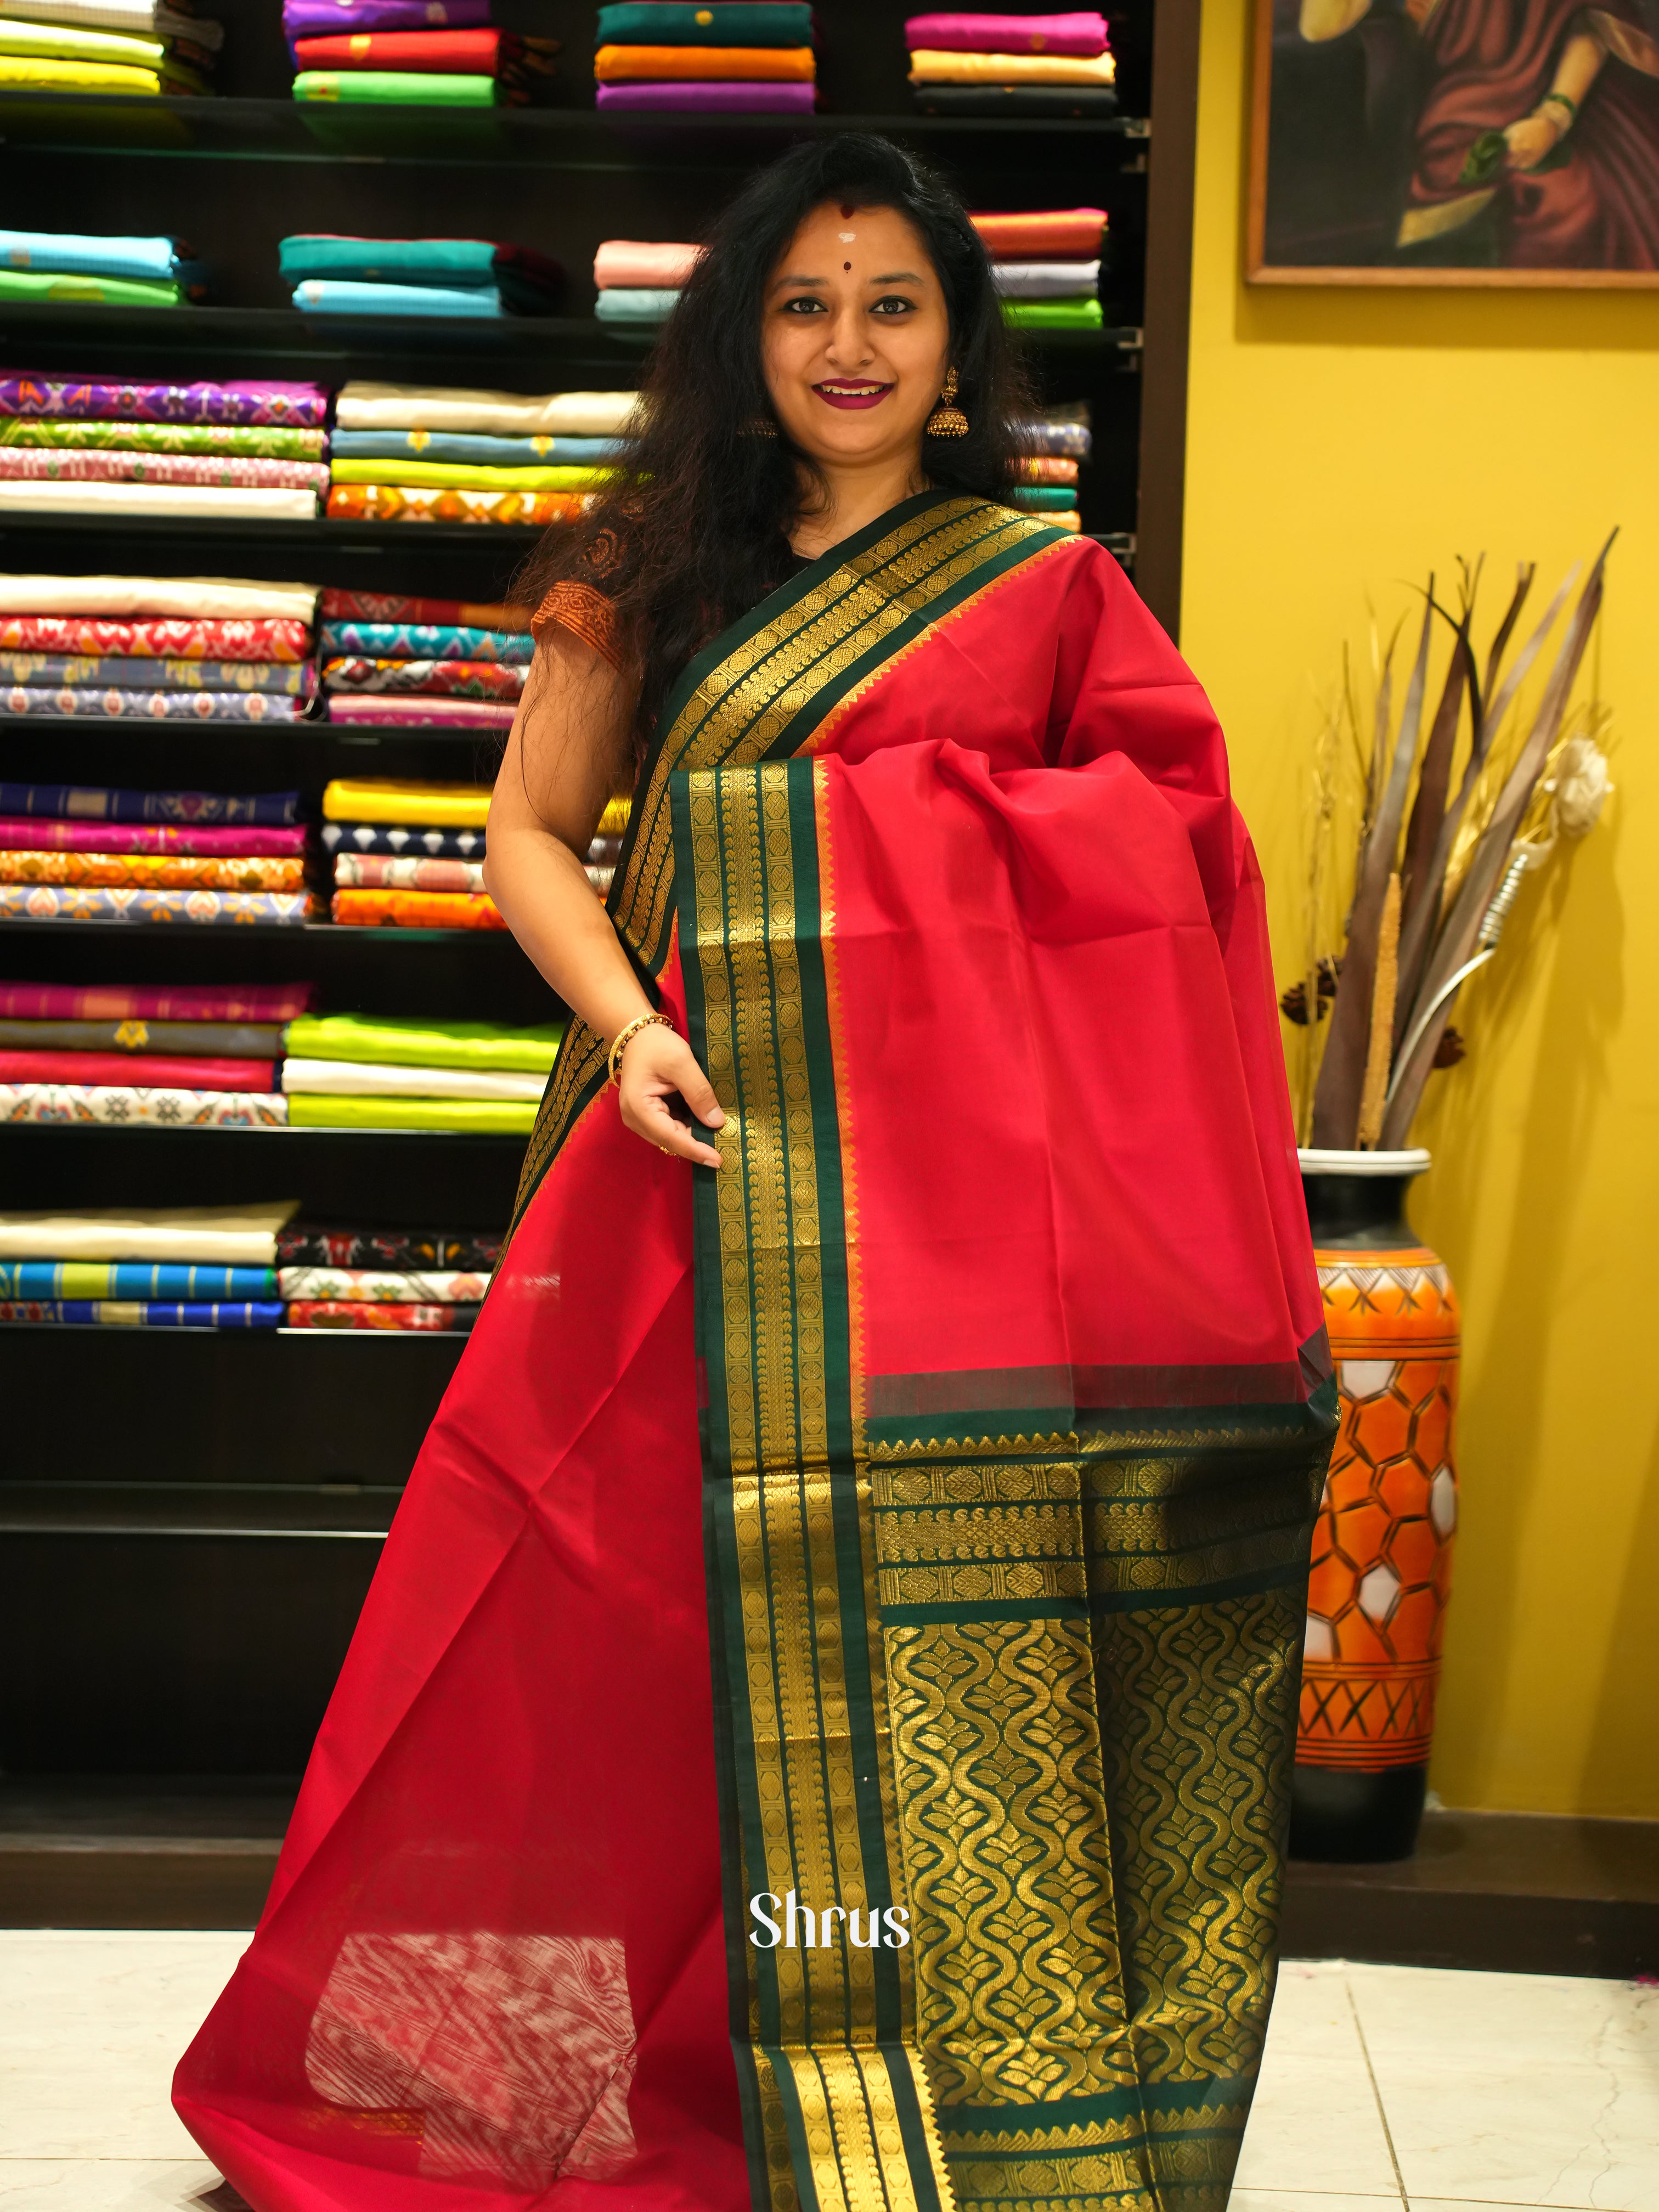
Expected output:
(1383, 2085)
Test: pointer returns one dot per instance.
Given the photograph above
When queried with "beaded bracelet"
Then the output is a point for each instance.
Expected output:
(627, 1032)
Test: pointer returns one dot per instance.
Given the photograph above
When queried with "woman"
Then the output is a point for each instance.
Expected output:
(845, 1618)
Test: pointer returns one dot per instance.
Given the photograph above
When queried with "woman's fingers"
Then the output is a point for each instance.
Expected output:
(657, 1070)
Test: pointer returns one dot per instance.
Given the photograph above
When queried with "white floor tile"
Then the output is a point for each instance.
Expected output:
(91, 2024)
(1532, 2019)
(1300, 2200)
(1315, 2124)
(95, 2184)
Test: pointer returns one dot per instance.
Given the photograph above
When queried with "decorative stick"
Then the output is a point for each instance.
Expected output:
(1374, 1092)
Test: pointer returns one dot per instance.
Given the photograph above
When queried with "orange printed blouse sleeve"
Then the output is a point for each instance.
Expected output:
(585, 611)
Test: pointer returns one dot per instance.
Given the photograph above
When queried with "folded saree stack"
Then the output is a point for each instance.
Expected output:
(384, 1279)
(1035, 65)
(1046, 265)
(151, 649)
(365, 1071)
(638, 281)
(173, 1056)
(466, 277)
(138, 48)
(408, 53)
(407, 452)
(729, 57)
(110, 272)
(448, 819)
(154, 1268)
(1053, 444)
(247, 451)
(422, 663)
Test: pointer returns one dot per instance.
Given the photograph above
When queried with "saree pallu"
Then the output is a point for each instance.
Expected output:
(166, 438)
(139, 673)
(140, 1106)
(461, 679)
(375, 909)
(1009, 1413)
(306, 1244)
(423, 642)
(93, 1278)
(147, 1314)
(151, 706)
(260, 401)
(75, 465)
(95, 638)
(64, 903)
(382, 502)
(170, 872)
(353, 1313)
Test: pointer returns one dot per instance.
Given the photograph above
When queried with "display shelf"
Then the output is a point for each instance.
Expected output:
(347, 1512)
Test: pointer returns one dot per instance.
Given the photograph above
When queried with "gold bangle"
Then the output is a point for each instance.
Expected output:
(630, 1030)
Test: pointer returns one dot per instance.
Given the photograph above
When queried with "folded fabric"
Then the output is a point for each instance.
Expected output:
(720, 23)
(98, 291)
(187, 599)
(619, 64)
(345, 1078)
(328, 295)
(260, 400)
(384, 871)
(395, 89)
(1045, 280)
(239, 1041)
(523, 279)
(1053, 314)
(274, 445)
(139, 1107)
(41, 249)
(492, 452)
(144, 19)
(146, 1315)
(1048, 469)
(354, 909)
(399, 838)
(1055, 101)
(382, 502)
(392, 607)
(326, 18)
(1080, 34)
(162, 1073)
(307, 1244)
(424, 641)
(362, 406)
(628, 305)
(1044, 499)
(469, 476)
(522, 62)
(39, 73)
(137, 672)
(1046, 234)
(181, 500)
(936, 65)
(461, 679)
(408, 1040)
(151, 870)
(75, 802)
(232, 1236)
(408, 711)
(484, 1117)
(708, 97)
(64, 903)
(109, 704)
(445, 1286)
(630, 262)
(143, 1002)
(131, 1278)
(384, 798)
(68, 465)
(44, 836)
(358, 1313)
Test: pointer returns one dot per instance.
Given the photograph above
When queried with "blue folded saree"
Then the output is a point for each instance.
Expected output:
(487, 452)
(324, 296)
(247, 1314)
(132, 1279)
(72, 253)
(630, 303)
(525, 280)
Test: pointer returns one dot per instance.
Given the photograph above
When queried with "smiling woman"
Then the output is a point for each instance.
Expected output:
(820, 1737)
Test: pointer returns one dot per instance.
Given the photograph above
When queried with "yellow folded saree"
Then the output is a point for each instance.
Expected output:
(463, 475)
(928, 65)
(725, 64)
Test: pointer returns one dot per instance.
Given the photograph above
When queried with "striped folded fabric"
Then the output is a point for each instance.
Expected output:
(356, 503)
(369, 909)
(145, 1314)
(142, 1106)
(132, 1279)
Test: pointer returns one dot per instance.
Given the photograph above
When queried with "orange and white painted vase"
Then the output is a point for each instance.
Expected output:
(1382, 1546)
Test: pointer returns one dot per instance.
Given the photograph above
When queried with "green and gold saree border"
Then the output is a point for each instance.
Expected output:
(760, 690)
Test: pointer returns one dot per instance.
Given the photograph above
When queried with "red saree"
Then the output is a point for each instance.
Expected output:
(898, 1540)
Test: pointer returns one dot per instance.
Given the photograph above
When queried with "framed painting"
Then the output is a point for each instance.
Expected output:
(1454, 142)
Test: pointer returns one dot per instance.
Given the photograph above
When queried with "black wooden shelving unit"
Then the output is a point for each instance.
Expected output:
(188, 1521)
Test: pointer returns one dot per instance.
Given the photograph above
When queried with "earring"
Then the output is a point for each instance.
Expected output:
(760, 426)
(947, 419)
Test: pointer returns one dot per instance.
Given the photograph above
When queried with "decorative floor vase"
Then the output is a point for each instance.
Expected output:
(1382, 1550)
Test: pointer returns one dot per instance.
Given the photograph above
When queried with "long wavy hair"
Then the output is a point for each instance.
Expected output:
(697, 531)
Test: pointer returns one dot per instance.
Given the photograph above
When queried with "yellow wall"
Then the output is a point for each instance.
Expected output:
(1341, 441)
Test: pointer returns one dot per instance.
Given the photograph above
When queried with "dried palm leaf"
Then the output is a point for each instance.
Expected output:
(1421, 883)
(1372, 1097)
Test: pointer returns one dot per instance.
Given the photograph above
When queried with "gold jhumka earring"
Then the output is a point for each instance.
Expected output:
(947, 419)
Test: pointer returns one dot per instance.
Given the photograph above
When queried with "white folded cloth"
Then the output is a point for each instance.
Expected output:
(505, 414)
(1046, 280)
(142, 19)
(234, 1236)
(366, 1078)
(205, 598)
(240, 503)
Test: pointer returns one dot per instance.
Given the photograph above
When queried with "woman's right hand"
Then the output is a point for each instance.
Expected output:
(657, 1069)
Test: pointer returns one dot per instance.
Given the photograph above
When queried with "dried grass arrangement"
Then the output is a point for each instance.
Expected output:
(1423, 828)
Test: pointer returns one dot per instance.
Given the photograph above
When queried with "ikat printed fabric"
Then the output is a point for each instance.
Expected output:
(135, 1106)
(64, 902)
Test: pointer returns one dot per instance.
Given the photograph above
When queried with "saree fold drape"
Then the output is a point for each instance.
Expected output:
(821, 1733)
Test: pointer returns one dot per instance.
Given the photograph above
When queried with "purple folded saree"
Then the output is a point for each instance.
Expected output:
(1081, 36)
(694, 96)
(409, 711)
(313, 19)
(96, 398)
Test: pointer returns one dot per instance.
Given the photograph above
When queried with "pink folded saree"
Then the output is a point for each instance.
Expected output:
(1083, 33)
(630, 261)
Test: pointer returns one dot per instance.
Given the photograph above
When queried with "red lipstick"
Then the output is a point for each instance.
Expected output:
(851, 392)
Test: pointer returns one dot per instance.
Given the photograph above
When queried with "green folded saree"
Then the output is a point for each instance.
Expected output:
(395, 89)
(109, 291)
(270, 443)
(479, 1117)
(411, 1042)
(1052, 314)
(464, 476)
